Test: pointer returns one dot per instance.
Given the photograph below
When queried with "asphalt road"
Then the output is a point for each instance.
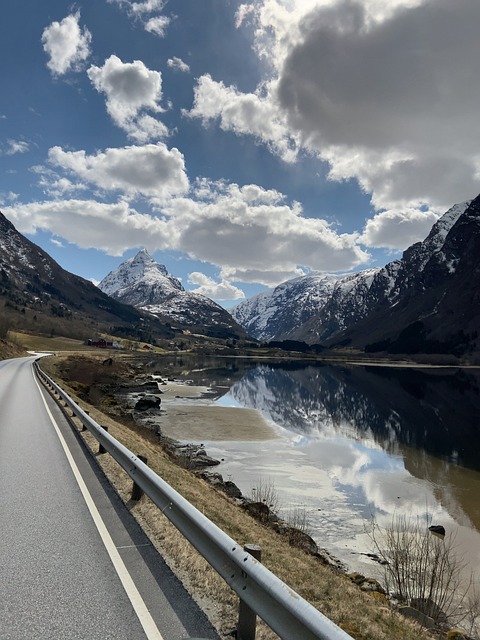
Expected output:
(57, 577)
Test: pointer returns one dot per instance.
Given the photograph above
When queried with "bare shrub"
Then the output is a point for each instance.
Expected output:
(297, 518)
(471, 622)
(266, 492)
(423, 570)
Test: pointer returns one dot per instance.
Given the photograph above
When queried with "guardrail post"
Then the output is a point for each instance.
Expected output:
(137, 492)
(84, 428)
(101, 448)
(247, 618)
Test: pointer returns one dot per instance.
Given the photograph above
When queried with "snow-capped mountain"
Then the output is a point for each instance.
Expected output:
(140, 281)
(428, 285)
(37, 294)
(147, 285)
(278, 314)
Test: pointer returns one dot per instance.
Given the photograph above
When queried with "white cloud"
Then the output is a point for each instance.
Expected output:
(149, 170)
(253, 235)
(55, 186)
(178, 64)
(216, 290)
(66, 44)
(250, 233)
(398, 229)
(16, 146)
(139, 8)
(142, 11)
(392, 91)
(10, 196)
(244, 113)
(148, 6)
(131, 89)
(157, 25)
(113, 228)
(371, 87)
(270, 277)
(243, 11)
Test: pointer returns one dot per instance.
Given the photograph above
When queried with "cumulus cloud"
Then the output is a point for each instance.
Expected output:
(244, 113)
(148, 170)
(10, 196)
(243, 11)
(398, 229)
(112, 228)
(131, 89)
(216, 290)
(358, 91)
(372, 88)
(178, 64)
(140, 8)
(66, 44)
(253, 235)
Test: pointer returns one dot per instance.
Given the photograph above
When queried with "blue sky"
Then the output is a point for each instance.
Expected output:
(242, 144)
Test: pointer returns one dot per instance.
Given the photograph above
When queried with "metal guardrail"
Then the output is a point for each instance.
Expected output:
(286, 612)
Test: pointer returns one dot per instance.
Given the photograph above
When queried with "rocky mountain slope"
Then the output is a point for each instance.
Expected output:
(428, 300)
(331, 299)
(37, 294)
(433, 305)
(147, 285)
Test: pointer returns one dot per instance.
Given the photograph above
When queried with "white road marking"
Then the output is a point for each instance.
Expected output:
(143, 614)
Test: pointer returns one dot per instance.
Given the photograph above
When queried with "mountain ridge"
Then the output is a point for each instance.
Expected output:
(40, 295)
(142, 282)
(370, 309)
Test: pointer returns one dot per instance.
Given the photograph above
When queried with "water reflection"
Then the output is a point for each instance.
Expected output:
(355, 441)
(363, 441)
(435, 410)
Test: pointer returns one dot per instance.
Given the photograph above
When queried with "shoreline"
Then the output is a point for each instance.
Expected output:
(183, 403)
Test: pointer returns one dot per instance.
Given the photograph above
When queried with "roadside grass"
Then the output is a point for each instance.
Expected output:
(358, 613)
(32, 342)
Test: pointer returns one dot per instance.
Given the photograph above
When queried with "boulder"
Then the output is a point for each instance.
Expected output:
(370, 584)
(259, 510)
(301, 540)
(429, 608)
(418, 616)
(231, 489)
(147, 402)
(437, 530)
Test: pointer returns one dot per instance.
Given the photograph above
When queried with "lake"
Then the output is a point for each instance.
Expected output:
(355, 443)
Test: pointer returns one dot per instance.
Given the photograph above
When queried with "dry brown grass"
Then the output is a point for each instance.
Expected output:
(358, 613)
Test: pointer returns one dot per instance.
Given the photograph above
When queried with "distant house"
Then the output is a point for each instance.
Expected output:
(101, 343)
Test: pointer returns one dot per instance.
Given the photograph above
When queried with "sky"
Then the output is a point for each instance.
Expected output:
(241, 143)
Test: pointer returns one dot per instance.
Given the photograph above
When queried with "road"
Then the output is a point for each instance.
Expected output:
(73, 562)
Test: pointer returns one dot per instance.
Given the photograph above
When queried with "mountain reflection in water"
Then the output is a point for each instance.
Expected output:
(355, 442)
(364, 441)
(435, 410)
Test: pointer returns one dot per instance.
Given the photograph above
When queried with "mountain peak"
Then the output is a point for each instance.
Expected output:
(143, 272)
(147, 285)
(143, 255)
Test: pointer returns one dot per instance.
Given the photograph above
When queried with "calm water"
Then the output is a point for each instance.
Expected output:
(358, 442)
